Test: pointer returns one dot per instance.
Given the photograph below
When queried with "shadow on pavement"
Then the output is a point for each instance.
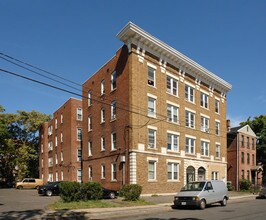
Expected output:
(41, 214)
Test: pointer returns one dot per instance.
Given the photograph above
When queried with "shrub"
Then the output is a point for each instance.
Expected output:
(131, 192)
(245, 184)
(70, 191)
(92, 191)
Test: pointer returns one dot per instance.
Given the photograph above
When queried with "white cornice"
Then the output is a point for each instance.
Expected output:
(132, 34)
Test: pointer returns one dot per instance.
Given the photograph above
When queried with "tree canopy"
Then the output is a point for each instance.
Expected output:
(19, 144)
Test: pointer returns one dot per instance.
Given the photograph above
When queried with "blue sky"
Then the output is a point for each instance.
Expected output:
(75, 38)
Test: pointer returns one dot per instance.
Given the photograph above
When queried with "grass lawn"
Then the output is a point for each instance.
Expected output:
(119, 202)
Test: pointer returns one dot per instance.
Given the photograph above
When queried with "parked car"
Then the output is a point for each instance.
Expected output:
(29, 183)
(262, 194)
(109, 193)
(49, 189)
(202, 193)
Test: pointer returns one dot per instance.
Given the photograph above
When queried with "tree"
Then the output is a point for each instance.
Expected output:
(19, 144)
(258, 125)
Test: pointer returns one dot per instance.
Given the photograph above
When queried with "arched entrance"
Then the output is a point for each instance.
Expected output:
(201, 174)
(190, 174)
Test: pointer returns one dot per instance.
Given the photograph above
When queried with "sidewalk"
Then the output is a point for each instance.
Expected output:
(161, 203)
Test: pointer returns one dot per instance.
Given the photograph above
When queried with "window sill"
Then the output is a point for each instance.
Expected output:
(152, 181)
(176, 96)
(152, 86)
(152, 116)
(205, 108)
(112, 120)
(173, 181)
(113, 150)
(173, 151)
(190, 102)
(113, 181)
(113, 90)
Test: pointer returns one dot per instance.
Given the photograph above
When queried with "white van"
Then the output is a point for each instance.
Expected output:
(202, 193)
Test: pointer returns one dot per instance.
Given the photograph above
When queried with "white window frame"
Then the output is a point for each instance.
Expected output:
(62, 118)
(190, 145)
(170, 88)
(152, 135)
(56, 158)
(50, 130)
(217, 106)
(56, 123)
(89, 123)
(56, 141)
(113, 172)
(62, 175)
(217, 127)
(89, 148)
(204, 100)
(56, 176)
(152, 172)
(113, 110)
(79, 114)
(62, 156)
(189, 93)
(151, 76)
(61, 137)
(215, 175)
(90, 98)
(79, 175)
(171, 172)
(90, 172)
(190, 119)
(172, 141)
(102, 115)
(103, 172)
(102, 143)
(204, 123)
(79, 134)
(205, 148)
(171, 116)
(113, 141)
(113, 81)
(217, 150)
(103, 87)
(151, 106)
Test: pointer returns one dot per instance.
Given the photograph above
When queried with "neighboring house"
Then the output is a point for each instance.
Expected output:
(154, 117)
(60, 144)
(241, 156)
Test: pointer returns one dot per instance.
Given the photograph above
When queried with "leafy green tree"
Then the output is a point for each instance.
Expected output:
(258, 125)
(19, 144)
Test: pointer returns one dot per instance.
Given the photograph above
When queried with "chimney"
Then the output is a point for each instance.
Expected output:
(228, 126)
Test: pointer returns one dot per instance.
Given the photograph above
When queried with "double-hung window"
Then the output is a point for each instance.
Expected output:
(205, 148)
(190, 119)
(204, 100)
(113, 110)
(79, 156)
(173, 171)
(218, 150)
(190, 145)
(151, 107)
(103, 87)
(113, 141)
(217, 106)
(189, 93)
(172, 86)
(113, 81)
(204, 124)
(172, 142)
(172, 113)
(89, 123)
(102, 115)
(79, 114)
(151, 76)
(217, 127)
(152, 138)
(151, 170)
(79, 134)
(113, 170)
(90, 173)
(102, 143)
(89, 98)
(79, 175)
(89, 148)
(102, 171)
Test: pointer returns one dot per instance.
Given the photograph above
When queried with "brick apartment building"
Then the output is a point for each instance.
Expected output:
(241, 156)
(60, 144)
(154, 117)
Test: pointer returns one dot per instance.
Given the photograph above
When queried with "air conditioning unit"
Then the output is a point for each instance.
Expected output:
(123, 158)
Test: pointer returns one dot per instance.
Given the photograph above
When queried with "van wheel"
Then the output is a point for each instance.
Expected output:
(20, 187)
(49, 193)
(224, 202)
(202, 204)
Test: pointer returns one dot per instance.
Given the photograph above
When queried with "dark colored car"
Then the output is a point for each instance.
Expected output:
(109, 193)
(49, 189)
(262, 194)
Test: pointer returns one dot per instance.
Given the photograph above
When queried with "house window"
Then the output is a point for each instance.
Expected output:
(61, 156)
(61, 137)
(62, 175)
(50, 162)
(190, 119)
(242, 157)
(62, 118)
(89, 123)
(113, 170)
(89, 148)
(50, 130)
(173, 171)
(189, 93)
(172, 113)
(90, 173)
(151, 138)
(56, 141)
(204, 100)
(253, 159)
(171, 84)
(215, 175)
(218, 150)
(102, 171)
(42, 148)
(217, 106)
(217, 127)
(242, 140)
(151, 107)
(79, 134)
(56, 123)
(79, 175)
(102, 115)
(204, 124)
(172, 142)
(102, 87)
(113, 81)
(248, 142)
(56, 158)
(113, 139)
(242, 174)
(190, 145)
(79, 114)
(253, 143)
(113, 110)
(50, 145)
(248, 158)
(248, 175)
(79, 153)
(89, 98)
(204, 148)
(151, 170)
(56, 176)
(151, 76)
(50, 177)
(102, 143)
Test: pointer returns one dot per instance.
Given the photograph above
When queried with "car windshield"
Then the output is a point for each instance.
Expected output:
(194, 186)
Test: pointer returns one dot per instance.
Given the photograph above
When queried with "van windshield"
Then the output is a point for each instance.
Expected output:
(194, 186)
